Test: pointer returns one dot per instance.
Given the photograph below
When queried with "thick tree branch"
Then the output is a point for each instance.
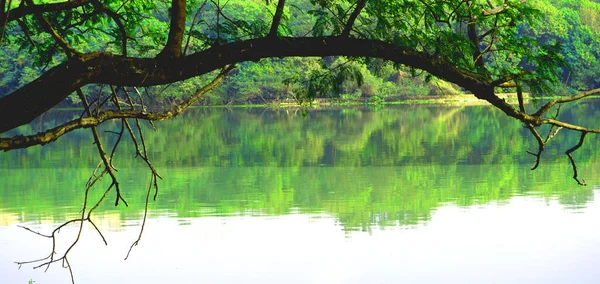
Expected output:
(33, 99)
(93, 121)
(3, 10)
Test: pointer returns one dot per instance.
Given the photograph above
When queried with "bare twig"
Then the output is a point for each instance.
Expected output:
(153, 178)
(579, 96)
(106, 164)
(568, 152)
(541, 145)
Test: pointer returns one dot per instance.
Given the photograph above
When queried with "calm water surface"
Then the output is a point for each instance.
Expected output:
(391, 195)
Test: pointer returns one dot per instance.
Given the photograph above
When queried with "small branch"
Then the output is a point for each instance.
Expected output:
(107, 162)
(70, 51)
(568, 152)
(117, 19)
(277, 18)
(541, 146)
(520, 98)
(37, 233)
(153, 178)
(64, 258)
(566, 125)
(507, 82)
(579, 96)
(500, 9)
(4, 17)
(220, 14)
(360, 4)
(187, 43)
(23, 11)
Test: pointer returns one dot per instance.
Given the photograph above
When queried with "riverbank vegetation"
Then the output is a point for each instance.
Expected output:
(575, 25)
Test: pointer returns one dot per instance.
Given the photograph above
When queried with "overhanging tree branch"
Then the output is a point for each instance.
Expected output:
(33, 99)
(579, 96)
(93, 121)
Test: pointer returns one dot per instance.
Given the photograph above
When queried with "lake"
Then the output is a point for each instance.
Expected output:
(394, 194)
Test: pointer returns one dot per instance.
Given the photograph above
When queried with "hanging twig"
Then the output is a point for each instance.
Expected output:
(568, 152)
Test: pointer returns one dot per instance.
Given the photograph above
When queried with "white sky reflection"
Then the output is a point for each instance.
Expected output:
(527, 240)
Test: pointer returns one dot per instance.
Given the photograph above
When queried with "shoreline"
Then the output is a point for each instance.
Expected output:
(452, 100)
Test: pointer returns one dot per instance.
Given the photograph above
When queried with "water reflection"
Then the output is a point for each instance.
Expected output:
(367, 168)
(257, 195)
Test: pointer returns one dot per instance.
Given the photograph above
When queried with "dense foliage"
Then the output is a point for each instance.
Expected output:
(574, 25)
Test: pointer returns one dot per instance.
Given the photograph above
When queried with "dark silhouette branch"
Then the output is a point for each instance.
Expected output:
(50, 259)
(277, 18)
(4, 17)
(520, 98)
(360, 5)
(136, 242)
(117, 19)
(541, 146)
(106, 160)
(67, 49)
(500, 9)
(187, 42)
(568, 152)
(23, 11)
(35, 98)
(176, 30)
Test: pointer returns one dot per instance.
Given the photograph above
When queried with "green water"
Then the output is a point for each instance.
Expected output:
(366, 173)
